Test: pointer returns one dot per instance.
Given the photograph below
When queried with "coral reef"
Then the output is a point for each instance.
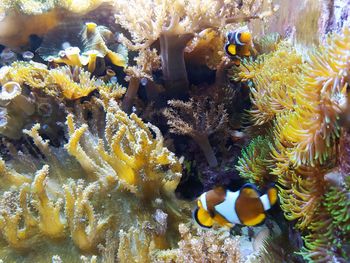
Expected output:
(135, 165)
(174, 24)
(86, 177)
(306, 147)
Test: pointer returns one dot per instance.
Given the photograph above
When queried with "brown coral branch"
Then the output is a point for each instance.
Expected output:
(197, 118)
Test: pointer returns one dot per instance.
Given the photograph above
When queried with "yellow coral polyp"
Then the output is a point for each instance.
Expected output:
(73, 85)
(33, 74)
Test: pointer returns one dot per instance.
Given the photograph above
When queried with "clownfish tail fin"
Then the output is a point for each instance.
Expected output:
(272, 194)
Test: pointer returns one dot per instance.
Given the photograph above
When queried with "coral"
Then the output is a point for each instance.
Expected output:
(86, 228)
(95, 54)
(135, 246)
(266, 44)
(132, 153)
(146, 62)
(30, 73)
(255, 161)
(314, 128)
(197, 118)
(10, 177)
(310, 150)
(73, 82)
(275, 76)
(204, 246)
(174, 23)
(129, 163)
(15, 108)
(205, 49)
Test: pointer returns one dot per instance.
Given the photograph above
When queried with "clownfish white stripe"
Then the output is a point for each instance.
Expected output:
(237, 39)
(227, 207)
(265, 201)
(203, 200)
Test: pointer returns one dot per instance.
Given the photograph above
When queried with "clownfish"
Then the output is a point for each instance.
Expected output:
(227, 208)
(238, 45)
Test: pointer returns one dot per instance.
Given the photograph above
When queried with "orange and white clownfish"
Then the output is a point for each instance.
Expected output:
(227, 208)
(238, 45)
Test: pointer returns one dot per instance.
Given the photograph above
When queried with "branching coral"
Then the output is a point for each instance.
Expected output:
(132, 153)
(86, 228)
(204, 246)
(174, 23)
(197, 118)
(126, 177)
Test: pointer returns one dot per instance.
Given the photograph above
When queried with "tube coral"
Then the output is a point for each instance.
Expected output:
(198, 119)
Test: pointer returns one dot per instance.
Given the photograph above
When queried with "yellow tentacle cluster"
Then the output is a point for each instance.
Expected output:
(305, 146)
(275, 76)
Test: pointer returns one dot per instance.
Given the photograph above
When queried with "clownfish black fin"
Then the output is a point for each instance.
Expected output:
(203, 218)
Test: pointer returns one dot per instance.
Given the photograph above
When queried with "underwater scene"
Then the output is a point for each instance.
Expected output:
(187, 131)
